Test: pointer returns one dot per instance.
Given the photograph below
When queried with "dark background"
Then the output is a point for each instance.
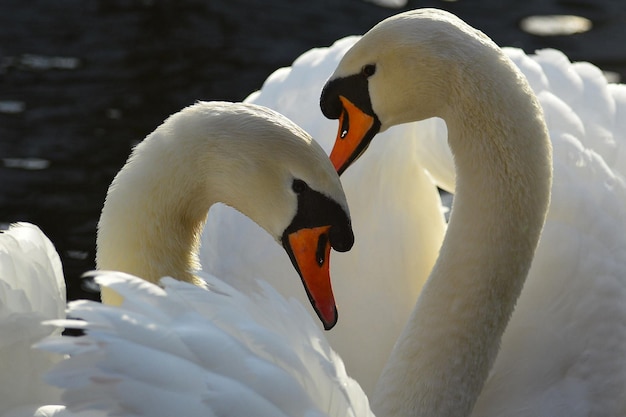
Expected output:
(81, 81)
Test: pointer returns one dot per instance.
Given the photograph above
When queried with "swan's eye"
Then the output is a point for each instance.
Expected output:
(368, 70)
(298, 186)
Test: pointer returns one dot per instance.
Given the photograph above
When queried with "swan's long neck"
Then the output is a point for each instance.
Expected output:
(503, 162)
(154, 213)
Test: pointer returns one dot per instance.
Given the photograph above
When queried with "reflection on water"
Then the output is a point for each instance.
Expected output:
(40, 62)
(555, 25)
(26, 163)
(12, 106)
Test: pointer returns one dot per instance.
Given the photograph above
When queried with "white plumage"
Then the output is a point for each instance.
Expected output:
(215, 350)
(181, 348)
(163, 351)
(32, 290)
(564, 350)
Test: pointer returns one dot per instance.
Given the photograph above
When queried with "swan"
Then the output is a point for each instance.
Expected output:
(184, 349)
(434, 65)
(405, 217)
(32, 290)
(265, 329)
(370, 277)
(245, 156)
(241, 154)
(561, 353)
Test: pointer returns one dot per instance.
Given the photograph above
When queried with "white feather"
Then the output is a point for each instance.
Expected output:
(207, 352)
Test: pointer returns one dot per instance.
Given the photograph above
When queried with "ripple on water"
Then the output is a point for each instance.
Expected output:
(33, 164)
(12, 106)
(555, 25)
(37, 62)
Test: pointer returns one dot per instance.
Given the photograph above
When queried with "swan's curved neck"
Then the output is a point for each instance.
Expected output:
(503, 162)
(154, 213)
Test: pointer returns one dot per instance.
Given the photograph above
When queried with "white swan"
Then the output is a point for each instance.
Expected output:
(370, 278)
(266, 335)
(232, 350)
(433, 64)
(245, 156)
(32, 290)
(562, 352)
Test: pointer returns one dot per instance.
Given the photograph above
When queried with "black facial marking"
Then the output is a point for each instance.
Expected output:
(354, 88)
(315, 210)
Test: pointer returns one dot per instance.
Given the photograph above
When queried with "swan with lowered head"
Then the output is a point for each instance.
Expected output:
(242, 155)
(428, 63)
(196, 351)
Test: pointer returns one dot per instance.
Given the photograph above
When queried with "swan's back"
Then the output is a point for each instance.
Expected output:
(564, 351)
(32, 289)
(599, 107)
(184, 350)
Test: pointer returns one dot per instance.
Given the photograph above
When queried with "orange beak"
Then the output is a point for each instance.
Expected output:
(310, 251)
(354, 125)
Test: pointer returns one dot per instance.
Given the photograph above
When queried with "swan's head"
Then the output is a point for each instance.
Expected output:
(262, 164)
(401, 71)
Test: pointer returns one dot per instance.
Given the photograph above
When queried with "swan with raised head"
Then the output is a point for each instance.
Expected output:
(370, 277)
(392, 194)
(434, 65)
(562, 352)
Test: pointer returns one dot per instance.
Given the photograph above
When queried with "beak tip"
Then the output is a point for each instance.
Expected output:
(340, 169)
(329, 319)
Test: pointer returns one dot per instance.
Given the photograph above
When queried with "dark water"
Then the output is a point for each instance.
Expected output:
(81, 81)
